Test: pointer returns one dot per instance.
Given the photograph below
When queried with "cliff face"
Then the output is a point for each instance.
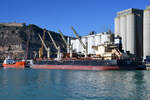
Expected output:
(15, 40)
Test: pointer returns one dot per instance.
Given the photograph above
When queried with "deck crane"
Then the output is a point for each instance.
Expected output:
(69, 47)
(41, 49)
(56, 47)
(44, 45)
(83, 45)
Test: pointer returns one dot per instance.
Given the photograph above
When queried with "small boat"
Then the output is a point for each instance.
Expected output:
(11, 63)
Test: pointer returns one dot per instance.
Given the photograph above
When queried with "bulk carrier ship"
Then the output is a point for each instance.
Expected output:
(108, 57)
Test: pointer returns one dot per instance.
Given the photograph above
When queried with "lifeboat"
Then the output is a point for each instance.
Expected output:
(11, 63)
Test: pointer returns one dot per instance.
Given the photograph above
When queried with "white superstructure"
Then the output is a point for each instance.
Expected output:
(91, 42)
(84, 39)
(97, 39)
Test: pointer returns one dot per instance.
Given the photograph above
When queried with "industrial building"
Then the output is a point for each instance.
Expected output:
(91, 40)
(13, 24)
(146, 32)
(129, 26)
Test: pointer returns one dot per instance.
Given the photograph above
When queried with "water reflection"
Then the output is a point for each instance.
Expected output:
(30, 84)
(139, 86)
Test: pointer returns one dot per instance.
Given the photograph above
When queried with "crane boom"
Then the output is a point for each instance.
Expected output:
(62, 36)
(83, 45)
(53, 41)
(43, 39)
(43, 43)
(57, 47)
(69, 47)
(41, 49)
(47, 48)
(78, 38)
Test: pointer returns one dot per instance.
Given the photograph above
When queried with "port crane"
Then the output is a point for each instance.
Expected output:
(44, 45)
(83, 45)
(41, 49)
(56, 47)
(69, 47)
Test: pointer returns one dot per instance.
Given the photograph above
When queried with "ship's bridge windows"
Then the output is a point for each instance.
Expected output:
(9, 61)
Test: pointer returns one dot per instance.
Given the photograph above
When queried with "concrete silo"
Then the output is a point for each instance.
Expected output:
(146, 36)
(131, 33)
(123, 24)
(139, 46)
(117, 26)
(131, 30)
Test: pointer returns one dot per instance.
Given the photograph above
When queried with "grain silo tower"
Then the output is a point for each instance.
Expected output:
(131, 33)
(129, 25)
(123, 27)
(146, 36)
(117, 26)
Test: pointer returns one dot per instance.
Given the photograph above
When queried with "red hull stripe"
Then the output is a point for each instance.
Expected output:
(13, 66)
(75, 67)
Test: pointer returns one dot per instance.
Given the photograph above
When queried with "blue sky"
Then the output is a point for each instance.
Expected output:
(84, 15)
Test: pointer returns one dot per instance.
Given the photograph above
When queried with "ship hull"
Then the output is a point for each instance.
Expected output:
(13, 66)
(20, 64)
(77, 67)
(87, 65)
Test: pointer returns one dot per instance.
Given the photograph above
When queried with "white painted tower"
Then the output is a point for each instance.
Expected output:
(146, 36)
(128, 25)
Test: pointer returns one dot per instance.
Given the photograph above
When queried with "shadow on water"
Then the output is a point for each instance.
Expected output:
(31, 84)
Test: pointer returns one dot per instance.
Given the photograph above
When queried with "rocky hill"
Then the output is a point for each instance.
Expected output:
(14, 40)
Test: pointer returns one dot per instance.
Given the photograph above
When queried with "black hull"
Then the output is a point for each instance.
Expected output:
(89, 64)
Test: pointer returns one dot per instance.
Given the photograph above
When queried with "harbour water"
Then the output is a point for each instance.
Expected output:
(36, 84)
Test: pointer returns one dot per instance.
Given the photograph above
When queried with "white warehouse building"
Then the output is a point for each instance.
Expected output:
(92, 40)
